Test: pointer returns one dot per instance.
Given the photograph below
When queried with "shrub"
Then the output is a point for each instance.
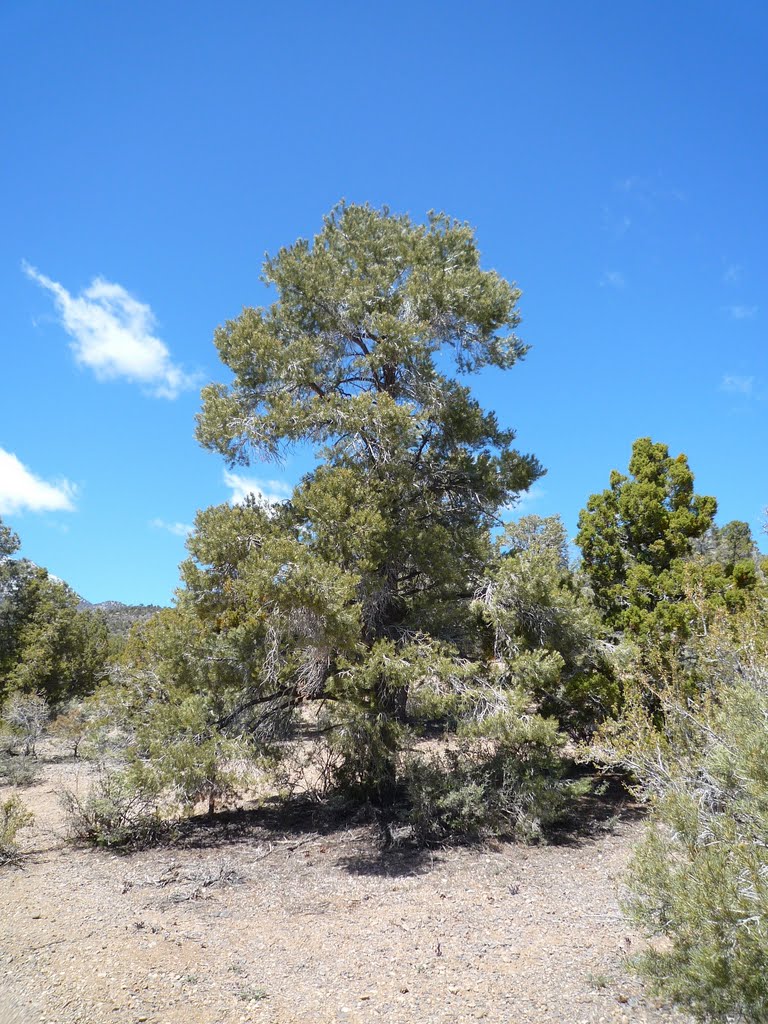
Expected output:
(699, 879)
(159, 750)
(114, 812)
(363, 747)
(505, 778)
(429, 706)
(71, 725)
(14, 816)
(709, 896)
(182, 753)
(26, 715)
(172, 742)
(444, 800)
(18, 770)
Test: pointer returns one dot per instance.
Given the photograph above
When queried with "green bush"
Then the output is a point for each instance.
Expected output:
(18, 770)
(364, 746)
(429, 707)
(444, 801)
(159, 751)
(114, 812)
(504, 778)
(699, 879)
(170, 742)
(14, 816)
(706, 890)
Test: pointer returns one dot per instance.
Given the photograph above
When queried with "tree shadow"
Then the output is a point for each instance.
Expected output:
(274, 820)
(597, 813)
(588, 819)
(381, 846)
(289, 824)
(391, 862)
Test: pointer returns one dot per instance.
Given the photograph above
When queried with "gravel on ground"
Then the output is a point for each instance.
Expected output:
(247, 922)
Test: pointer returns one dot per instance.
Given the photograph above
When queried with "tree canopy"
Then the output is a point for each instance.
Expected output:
(47, 642)
(361, 585)
(635, 535)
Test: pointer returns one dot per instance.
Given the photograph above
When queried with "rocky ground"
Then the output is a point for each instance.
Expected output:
(272, 919)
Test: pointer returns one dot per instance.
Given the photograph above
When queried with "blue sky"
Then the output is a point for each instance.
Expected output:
(612, 158)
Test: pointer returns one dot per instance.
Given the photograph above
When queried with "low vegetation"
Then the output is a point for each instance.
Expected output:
(697, 745)
(14, 817)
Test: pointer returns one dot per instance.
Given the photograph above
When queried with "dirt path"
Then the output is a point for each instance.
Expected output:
(246, 925)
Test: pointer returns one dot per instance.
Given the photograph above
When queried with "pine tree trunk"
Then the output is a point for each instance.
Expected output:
(391, 702)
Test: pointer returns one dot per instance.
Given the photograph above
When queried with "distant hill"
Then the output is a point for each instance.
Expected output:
(121, 617)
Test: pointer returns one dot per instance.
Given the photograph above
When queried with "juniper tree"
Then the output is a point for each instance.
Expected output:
(48, 643)
(362, 584)
(9, 541)
(732, 549)
(635, 536)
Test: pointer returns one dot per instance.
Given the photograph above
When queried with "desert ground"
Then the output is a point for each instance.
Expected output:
(267, 916)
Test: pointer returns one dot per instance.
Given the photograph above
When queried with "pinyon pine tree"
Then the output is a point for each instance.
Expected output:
(361, 586)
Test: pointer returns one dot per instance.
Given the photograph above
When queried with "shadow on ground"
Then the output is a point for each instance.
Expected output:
(295, 817)
(294, 822)
(381, 848)
(589, 817)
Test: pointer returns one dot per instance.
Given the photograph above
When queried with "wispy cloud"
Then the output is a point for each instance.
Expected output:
(177, 529)
(629, 184)
(522, 505)
(741, 312)
(616, 224)
(732, 274)
(613, 279)
(736, 385)
(273, 491)
(21, 490)
(112, 334)
(647, 190)
(530, 497)
(635, 202)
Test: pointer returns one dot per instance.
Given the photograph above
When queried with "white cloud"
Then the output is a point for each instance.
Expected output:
(177, 529)
(732, 274)
(112, 335)
(613, 279)
(742, 312)
(21, 490)
(522, 505)
(529, 497)
(273, 491)
(737, 385)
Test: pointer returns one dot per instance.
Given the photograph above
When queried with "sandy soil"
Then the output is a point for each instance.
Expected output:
(265, 920)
